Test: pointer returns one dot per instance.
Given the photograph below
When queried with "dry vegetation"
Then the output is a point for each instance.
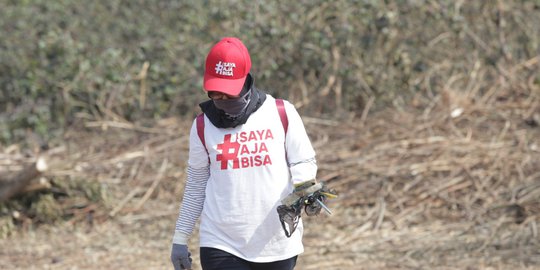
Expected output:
(450, 182)
(425, 116)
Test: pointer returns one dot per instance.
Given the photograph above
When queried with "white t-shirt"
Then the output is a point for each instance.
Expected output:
(249, 175)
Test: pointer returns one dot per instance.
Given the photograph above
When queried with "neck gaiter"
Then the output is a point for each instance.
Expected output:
(233, 107)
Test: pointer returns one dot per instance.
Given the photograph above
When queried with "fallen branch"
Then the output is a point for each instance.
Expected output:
(19, 182)
(155, 183)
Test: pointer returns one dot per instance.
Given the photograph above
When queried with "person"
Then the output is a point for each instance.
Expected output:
(245, 155)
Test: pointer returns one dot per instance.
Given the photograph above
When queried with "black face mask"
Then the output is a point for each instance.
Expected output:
(234, 106)
(220, 118)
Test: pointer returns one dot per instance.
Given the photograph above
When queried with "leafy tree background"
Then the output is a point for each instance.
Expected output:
(66, 62)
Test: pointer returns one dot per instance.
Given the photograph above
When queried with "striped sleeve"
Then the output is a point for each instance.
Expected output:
(192, 203)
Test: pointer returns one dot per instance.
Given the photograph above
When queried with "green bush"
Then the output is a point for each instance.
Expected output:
(61, 61)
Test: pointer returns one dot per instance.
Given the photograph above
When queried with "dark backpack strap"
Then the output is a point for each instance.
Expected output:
(282, 114)
(200, 131)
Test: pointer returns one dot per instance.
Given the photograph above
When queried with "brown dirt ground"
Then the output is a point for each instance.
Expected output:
(419, 189)
(144, 244)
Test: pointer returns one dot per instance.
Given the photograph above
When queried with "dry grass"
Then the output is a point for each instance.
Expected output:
(449, 182)
(448, 179)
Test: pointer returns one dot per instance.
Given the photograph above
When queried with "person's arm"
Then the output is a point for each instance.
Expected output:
(192, 203)
(300, 152)
(194, 191)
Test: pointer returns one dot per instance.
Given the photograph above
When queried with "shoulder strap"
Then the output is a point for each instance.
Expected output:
(200, 129)
(284, 119)
(282, 114)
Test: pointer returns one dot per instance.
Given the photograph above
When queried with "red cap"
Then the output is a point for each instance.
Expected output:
(227, 66)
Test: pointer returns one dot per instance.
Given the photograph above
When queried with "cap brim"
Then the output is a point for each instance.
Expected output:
(231, 87)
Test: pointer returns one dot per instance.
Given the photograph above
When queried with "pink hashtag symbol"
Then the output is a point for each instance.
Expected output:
(226, 153)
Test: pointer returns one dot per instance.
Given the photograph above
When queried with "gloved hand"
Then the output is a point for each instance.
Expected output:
(180, 257)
